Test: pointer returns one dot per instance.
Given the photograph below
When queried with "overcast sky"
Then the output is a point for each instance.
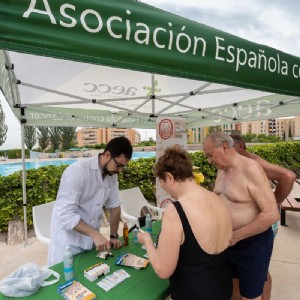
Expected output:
(273, 23)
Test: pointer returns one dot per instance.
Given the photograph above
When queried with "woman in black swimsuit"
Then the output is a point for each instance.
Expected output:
(195, 233)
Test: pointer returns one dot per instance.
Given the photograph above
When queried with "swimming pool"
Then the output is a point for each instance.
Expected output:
(147, 154)
(9, 168)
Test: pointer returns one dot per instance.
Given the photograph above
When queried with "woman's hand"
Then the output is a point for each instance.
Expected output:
(143, 237)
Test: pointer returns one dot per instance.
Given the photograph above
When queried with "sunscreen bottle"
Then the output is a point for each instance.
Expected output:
(135, 238)
(68, 264)
(149, 224)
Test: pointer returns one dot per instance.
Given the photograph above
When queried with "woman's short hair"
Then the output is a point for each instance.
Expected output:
(175, 161)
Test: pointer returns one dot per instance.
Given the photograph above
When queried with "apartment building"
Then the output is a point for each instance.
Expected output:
(285, 128)
(288, 128)
(297, 128)
(195, 135)
(92, 136)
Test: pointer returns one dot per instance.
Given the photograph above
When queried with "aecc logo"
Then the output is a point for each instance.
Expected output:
(108, 89)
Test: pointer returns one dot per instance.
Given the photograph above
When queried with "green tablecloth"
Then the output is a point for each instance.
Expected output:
(143, 284)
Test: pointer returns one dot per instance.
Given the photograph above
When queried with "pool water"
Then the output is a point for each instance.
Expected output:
(9, 168)
(136, 155)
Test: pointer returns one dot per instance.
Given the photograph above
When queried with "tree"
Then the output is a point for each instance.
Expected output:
(260, 138)
(290, 132)
(30, 137)
(68, 139)
(249, 137)
(43, 137)
(55, 137)
(3, 127)
(273, 139)
(216, 128)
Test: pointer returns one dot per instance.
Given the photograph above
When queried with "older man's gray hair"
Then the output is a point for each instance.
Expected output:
(220, 137)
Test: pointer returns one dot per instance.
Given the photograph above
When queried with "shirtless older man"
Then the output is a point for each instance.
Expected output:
(245, 190)
(285, 179)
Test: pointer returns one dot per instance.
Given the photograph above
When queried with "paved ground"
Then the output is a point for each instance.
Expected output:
(284, 269)
(285, 263)
(13, 256)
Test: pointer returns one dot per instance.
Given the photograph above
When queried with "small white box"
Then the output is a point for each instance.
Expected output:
(96, 271)
(91, 275)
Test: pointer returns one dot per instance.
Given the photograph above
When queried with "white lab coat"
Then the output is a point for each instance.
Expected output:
(82, 194)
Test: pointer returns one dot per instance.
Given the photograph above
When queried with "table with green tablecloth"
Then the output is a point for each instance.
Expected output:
(143, 283)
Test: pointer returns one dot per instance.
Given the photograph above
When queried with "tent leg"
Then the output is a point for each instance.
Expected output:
(24, 184)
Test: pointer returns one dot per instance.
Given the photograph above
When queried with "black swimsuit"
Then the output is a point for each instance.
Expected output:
(199, 275)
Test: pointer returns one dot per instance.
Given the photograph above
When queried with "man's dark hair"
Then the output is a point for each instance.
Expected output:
(238, 139)
(118, 146)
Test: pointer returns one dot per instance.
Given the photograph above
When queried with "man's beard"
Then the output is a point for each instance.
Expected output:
(107, 172)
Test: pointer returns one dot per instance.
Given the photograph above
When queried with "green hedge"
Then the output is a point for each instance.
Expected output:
(42, 183)
(286, 154)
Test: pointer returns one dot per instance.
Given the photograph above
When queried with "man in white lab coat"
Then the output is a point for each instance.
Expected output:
(85, 188)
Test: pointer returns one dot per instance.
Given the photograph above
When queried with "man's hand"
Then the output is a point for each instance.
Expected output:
(234, 239)
(115, 243)
(101, 243)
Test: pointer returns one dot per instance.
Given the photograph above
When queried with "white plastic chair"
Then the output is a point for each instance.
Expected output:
(133, 201)
(41, 215)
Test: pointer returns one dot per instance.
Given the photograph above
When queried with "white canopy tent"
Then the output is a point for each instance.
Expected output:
(124, 63)
(67, 93)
